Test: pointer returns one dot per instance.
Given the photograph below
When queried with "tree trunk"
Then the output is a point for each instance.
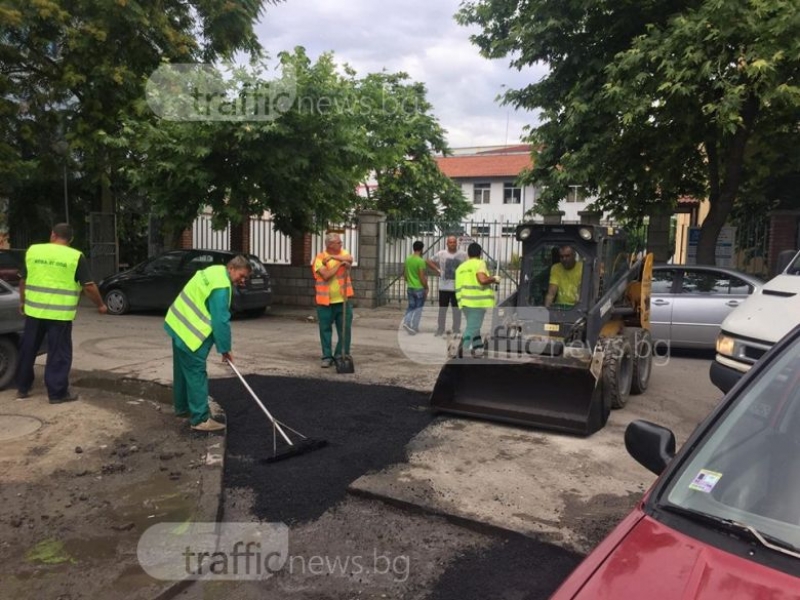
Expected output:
(724, 188)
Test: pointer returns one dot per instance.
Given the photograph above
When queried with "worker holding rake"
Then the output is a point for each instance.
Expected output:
(199, 318)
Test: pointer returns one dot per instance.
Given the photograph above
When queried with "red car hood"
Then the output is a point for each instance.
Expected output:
(658, 563)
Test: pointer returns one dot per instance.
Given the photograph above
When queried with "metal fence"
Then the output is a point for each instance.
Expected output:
(501, 250)
(266, 242)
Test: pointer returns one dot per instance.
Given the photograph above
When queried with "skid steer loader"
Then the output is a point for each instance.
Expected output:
(563, 366)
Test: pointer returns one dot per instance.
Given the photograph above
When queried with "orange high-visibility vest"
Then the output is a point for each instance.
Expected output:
(322, 287)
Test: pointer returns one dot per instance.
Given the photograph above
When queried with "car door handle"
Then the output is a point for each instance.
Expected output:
(660, 302)
(732, 303)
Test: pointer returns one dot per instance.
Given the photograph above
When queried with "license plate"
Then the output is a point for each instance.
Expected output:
(257, 281)
(551, 327)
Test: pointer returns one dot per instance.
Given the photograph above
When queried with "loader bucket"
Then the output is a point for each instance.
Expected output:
(558, 397)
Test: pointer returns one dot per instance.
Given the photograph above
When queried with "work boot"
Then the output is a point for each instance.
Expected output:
(209, 426)
(327, 363)
(70, 397)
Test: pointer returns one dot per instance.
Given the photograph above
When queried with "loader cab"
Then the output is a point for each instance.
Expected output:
(561, 253)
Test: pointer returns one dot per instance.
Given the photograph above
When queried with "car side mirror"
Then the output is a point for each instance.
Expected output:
(651, 445)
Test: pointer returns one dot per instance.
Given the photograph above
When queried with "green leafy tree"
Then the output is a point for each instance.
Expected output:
(648, 101)
(305, 162)
(71, 71)
(402, 136)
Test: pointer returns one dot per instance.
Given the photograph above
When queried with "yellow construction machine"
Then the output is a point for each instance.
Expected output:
(560, 360)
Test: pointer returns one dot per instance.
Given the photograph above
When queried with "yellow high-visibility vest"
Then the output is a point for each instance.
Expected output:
(469, 292)
(51, 291)
(188, 316)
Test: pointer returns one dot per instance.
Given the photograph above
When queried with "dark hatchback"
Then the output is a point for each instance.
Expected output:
(155, 283)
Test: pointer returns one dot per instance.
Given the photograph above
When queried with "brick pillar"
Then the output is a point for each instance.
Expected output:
(658, 234)
(240, 237)
(301, 250)
(367, 276)
(185, 241)
(782, 235)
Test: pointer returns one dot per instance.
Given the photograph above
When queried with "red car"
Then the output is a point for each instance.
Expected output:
(722, 522)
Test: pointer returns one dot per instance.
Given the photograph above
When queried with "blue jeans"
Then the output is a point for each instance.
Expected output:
(416, 300)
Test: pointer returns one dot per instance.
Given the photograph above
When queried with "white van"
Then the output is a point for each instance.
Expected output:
(752, 328)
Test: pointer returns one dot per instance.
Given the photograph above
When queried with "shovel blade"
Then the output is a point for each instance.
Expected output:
(344, 364)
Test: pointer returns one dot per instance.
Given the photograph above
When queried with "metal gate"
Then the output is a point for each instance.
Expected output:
(501, 250)
(103, 249)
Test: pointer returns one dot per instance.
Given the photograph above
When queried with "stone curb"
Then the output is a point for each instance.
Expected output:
(210, 504)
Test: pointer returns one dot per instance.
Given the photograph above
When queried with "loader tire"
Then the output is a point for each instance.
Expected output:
(617, 372)
(642, 343)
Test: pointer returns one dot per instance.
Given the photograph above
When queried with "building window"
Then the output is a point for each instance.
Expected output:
(481, 193)
(576, 194)
(509, 230)
(511, 194)
(481, 230)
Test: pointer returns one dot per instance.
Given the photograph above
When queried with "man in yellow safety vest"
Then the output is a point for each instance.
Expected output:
(49, 290)
(474, 295)
(199, 318)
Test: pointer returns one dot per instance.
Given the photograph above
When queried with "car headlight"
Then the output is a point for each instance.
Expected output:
(725, 345)
(585, 233)
(524, 233)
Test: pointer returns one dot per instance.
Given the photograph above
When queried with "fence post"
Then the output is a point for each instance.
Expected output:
(301, 250)
(240, 236)
(371, 225)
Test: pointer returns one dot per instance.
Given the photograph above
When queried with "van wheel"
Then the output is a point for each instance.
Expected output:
(642, 343)
(9, 357)
(617, 372)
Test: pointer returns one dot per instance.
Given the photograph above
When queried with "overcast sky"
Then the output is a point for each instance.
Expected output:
(419, 37)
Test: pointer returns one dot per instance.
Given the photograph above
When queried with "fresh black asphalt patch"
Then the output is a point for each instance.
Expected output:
(513, 568)
(367, 428)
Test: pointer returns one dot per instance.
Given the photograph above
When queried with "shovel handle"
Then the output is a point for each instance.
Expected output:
(258, 401)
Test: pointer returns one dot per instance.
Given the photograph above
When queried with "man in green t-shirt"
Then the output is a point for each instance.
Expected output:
(565, 279)
(417, 287)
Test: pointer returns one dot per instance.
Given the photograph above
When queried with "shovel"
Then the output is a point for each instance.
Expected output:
(344, 363)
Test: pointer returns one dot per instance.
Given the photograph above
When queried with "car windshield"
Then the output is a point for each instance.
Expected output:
(747, 469)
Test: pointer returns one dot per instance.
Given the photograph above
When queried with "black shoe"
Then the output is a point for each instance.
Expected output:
(70, 397)
(22, 395)
(438, 334)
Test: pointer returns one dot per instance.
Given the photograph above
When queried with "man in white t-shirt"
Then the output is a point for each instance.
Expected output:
(444, 263)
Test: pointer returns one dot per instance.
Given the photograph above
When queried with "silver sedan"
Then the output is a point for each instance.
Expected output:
(689, 302)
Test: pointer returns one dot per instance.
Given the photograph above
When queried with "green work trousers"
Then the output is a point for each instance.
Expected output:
(472, 332)
(331, 315)
(190, 381)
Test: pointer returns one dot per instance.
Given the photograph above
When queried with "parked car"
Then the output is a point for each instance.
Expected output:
(11, 263)
(722, 521)
(155, 283)
(689, 302)
(11, 325)
(749, 331)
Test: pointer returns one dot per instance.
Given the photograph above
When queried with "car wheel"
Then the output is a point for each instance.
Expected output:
(617, 371)
(9, 356)
(117, 302)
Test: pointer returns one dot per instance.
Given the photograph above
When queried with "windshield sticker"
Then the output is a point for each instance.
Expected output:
(705, 481)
